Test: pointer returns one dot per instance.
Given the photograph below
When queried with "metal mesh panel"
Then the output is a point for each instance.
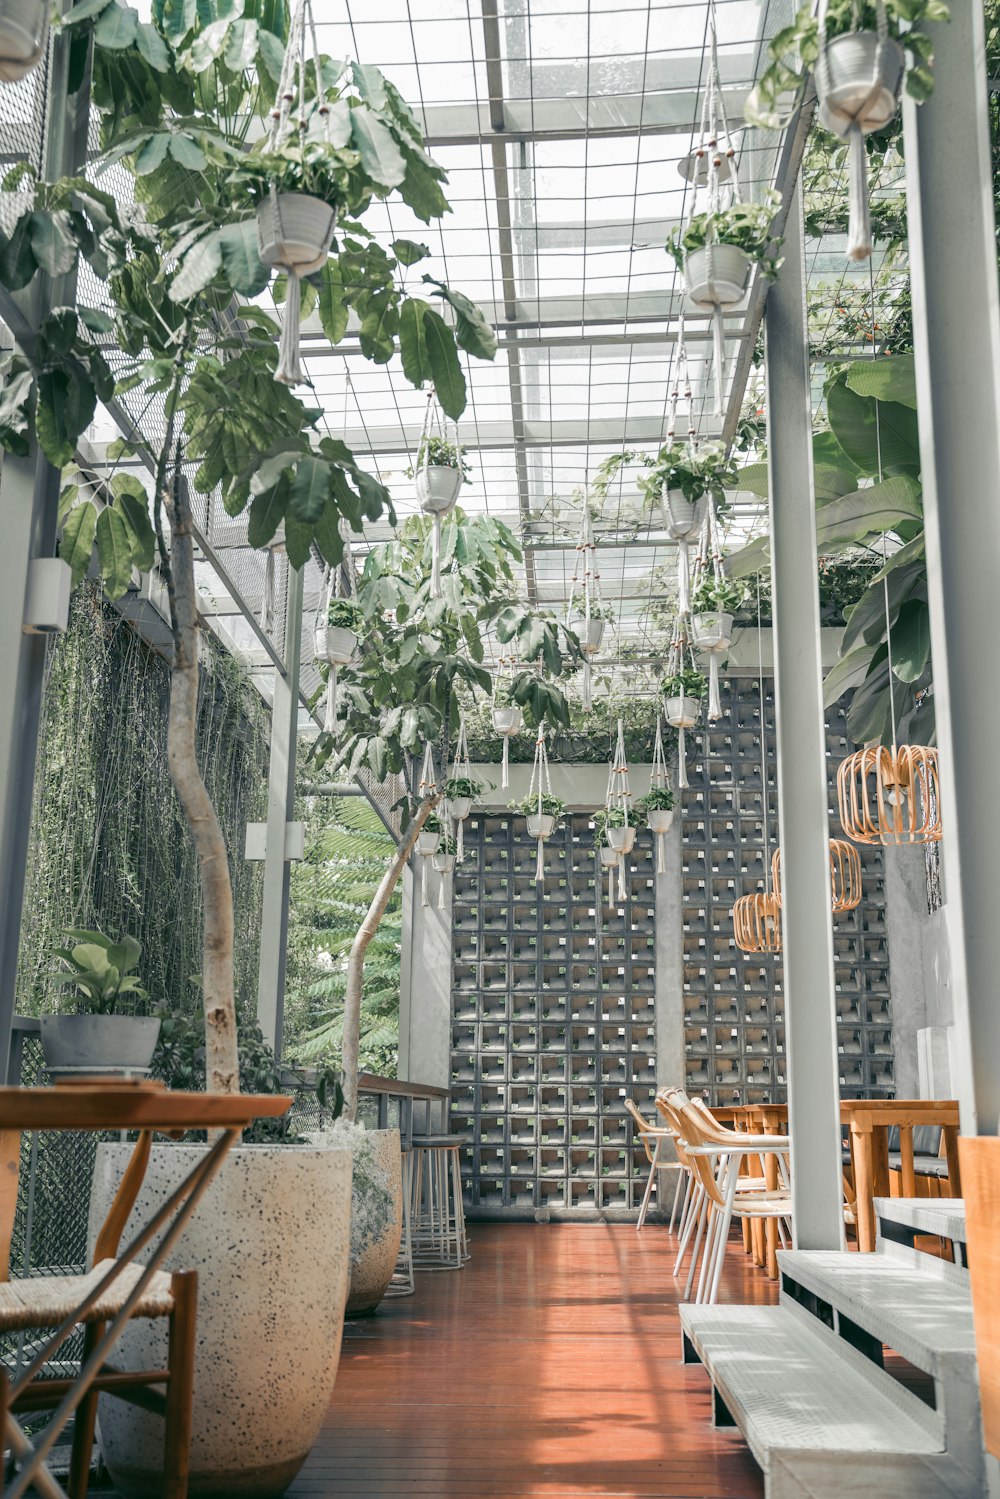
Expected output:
(552, 1023)
(734, 1009)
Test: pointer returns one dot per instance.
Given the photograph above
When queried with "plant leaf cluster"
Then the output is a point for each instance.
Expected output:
(98, 971)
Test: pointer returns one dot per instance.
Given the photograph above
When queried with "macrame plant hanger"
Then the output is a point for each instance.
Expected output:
(606, 860)
(714, 192)
(508, 718)
(291, 117)
(709, 555)
(681, 528)
(585, 605)
(659, 778)
(540, 786)
(428, 787)
(757, 918)
(437, 487)
(324, 645)
(680, 651)
(620, 800)
(460, 807)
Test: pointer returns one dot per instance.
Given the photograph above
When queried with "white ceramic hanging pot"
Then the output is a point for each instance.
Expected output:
(444, 863)
(712, 630)
(857, 81)
(427, 843)
(295, 230)
(622, 840)
(437, 488)
(682, 712)
(540, 825)
(716, 276)
(609, 857)
(659, 819)
(24, 30)
(508, 721)
(694, 167)
(334, 644)
(458, 807)
(681, 516)
(590, 633)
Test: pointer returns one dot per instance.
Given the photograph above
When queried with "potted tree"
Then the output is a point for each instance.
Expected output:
(715, 602)
(24, 28)
(93, 1036)
(682, 697)
(715, 251)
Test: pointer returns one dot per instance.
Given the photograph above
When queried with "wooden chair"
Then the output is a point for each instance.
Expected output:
(652, 1140)
(52, 1303)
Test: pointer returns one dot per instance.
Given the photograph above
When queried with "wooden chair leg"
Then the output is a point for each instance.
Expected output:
(4, 1408)
(84, 1423)
(180, 1390)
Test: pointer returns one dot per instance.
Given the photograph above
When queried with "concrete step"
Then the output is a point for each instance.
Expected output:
(822, 1420)
(924, 1314)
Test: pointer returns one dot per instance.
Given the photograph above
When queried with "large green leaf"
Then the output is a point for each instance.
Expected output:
(911, 640)
(890, 379)
(472, 332)
(298, 539)
(244, 270)
(77, 540)
(132, 502)
(310, 489)
(381, 158)
(152, 47)
(114, 552)
(877, 436)
(754, 479)
(15, 411)
(913, 551)
(187, 153)
(175, 17)
(868, 512)
(85, 11)
(442, 359)
(412, 341)
(847, 674)
(17, 259)
(200, 265)
(52, 243)
(152, 153)
(370, 84)
(328, 538)
(266, 514)
(66, 402)
(117, 27)
(377, 334)
(333, 309)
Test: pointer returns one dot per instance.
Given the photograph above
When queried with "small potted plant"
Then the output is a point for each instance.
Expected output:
(459, 794)
(93, 1036)
(542, 813)
(24, 28)
(336, 640)
(713, 605)
(299, 187)
(658, 805)
(443, 860)
(608, 856)
(590, 629)
(620, 825)
(508, 719)
(682, 695)
(438, 474)
(429, 837)
(678, 478)
(715, 251)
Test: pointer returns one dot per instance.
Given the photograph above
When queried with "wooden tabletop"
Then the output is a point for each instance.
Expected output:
(396, 1087)
(132, 1106)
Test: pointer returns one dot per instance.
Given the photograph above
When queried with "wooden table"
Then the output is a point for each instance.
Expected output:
(869, 1121)
(130, 1105)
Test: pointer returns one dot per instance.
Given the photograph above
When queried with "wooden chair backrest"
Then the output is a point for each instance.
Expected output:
(647, 1132)
(980, 1158)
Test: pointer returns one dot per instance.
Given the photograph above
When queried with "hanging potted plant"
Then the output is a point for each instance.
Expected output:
(508, 717)
(542, 812)
(682, 698)
(714, 604)
(429, 837)
(460, 792)
(24, 29)
(716, 250)
(859, 58)
(90, 1035)
(336, 639)
(438, 474)
(657, 805)
(608, 854)
(620, 824)
(590, 628)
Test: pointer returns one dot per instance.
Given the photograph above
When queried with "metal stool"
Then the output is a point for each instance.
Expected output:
(437, 1217)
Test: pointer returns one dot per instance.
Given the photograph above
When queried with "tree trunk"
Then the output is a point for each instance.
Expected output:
(222, 1066)
(356, 961)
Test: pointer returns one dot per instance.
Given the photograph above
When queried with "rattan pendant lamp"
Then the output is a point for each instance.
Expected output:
(845, 875)
(757, 917)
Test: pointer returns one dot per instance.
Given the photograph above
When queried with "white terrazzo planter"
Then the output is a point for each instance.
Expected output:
(271, 1244)
(371, 1269)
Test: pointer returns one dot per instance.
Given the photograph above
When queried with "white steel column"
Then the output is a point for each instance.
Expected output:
(956, 329)
(810, 1017)
(280, 812)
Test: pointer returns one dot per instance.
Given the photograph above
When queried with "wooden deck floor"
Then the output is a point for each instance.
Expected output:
(549, 1366)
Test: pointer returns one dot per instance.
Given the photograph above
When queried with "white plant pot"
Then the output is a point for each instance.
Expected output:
(437, 488)
(659, 819)
(540, 825)
(295, 230)
(590, 633)
(716, 276)
(458, 807)
(609, 857)
(444, 863)
(682, 712)
(694, 167)
(334, 644)
(24, 30)
(622, 840)
(712, 631)
(427, 843)
(98, 1043)
(271, 1245)
(374, 1256)
(846, 76)
(508, 721)
(681, 516)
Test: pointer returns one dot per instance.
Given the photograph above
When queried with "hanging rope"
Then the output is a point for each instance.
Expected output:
(589, 611)
(427, 787)
(763, 750)
(682, 519)
(507, 716)
(542, 786)
(437, 485)
(461, 770)
(679, 653)
(659, 780)
(712, 629)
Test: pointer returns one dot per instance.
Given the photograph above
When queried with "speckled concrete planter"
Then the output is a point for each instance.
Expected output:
(270, 1243)
(371, 1274)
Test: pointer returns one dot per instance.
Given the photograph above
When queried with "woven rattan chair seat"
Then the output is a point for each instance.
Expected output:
(45, 1300)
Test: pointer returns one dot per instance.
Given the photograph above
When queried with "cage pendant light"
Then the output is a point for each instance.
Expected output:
(659, 818)
(427, 842)
(711, 629)
(541, 824)
(715, 277)
(845, 875)
(584, 607)
(757, 917)
(621, 837)
(294, 230)
(458, 808)
(508, 719)
(437, 484)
